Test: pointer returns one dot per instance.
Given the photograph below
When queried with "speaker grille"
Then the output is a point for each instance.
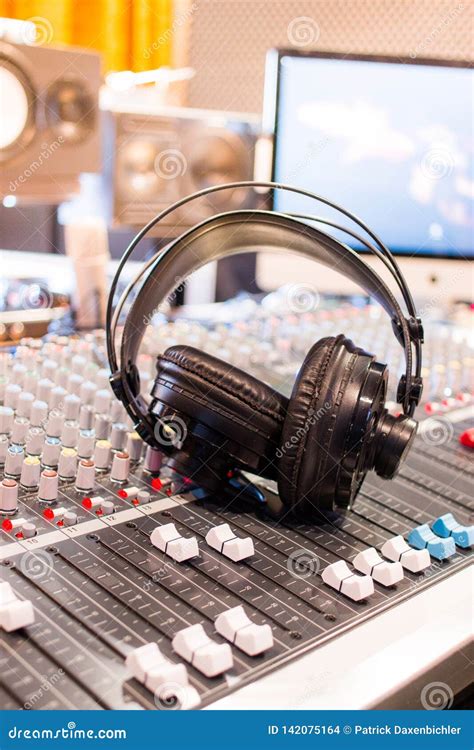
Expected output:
(229, 38)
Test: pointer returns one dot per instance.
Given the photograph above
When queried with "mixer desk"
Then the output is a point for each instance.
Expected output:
(145, 580)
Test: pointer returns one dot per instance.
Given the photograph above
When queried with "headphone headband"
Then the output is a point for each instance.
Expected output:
(252, 231)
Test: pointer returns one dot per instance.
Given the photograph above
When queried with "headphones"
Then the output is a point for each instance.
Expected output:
(320, 443)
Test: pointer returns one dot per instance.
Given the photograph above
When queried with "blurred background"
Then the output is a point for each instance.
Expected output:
(112, 110)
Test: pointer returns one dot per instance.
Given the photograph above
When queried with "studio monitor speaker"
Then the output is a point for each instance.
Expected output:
(151, 160)
(49, 120)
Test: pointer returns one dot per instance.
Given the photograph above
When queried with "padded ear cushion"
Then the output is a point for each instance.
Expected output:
(315, 430)
(221, 396)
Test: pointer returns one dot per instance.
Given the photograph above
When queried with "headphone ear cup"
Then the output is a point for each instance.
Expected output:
(316, 431)
(230, 419)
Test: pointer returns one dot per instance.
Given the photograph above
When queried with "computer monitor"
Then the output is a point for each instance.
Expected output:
(389, 139)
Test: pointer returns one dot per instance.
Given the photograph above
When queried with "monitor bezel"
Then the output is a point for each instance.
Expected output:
(271, 106)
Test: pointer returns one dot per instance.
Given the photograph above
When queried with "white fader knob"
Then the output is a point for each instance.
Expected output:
(339, 576)
(8, 496)
(167, 539)
(414, 560)
(85, 475)
(120, 467)
(194, 646)
(48, 486)
(236, 627)
(370, 563)
(223, 539)
(148, 665)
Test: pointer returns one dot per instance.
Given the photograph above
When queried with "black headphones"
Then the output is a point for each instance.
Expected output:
(319, 443)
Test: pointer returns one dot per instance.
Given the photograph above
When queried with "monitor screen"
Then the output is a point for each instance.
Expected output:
(391, 141)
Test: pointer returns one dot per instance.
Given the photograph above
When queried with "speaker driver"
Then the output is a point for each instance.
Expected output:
(17, 105)
(216, 157)
(70, 110)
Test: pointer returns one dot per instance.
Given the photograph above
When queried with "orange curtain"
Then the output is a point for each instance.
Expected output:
(131, 34)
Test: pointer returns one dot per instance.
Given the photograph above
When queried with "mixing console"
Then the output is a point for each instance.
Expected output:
(124, 586)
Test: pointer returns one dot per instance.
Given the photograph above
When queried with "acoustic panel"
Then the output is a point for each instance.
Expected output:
(228, 39)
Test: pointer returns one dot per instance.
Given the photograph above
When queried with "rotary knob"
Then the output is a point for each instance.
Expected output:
(67, 463)
(102, 454)
(72, 406)
(48, 486)
(6, 419)
(25, 402)
(8, 496)
(30, 472)
(14, 461)
(120, 467)
(51, 451)
(85, 475)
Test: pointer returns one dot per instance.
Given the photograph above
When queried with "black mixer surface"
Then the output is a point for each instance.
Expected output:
(91, 574)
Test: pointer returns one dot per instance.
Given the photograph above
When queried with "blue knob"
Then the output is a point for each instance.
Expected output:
(446, 526)
(422, 537)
